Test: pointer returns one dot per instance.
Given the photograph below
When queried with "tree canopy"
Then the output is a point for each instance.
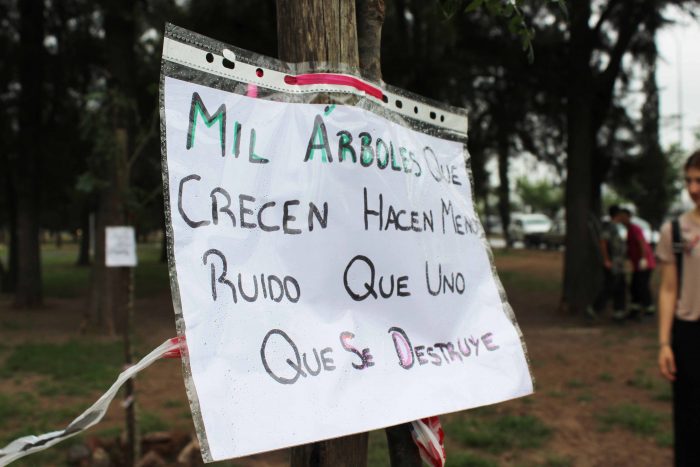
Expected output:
(570, 83)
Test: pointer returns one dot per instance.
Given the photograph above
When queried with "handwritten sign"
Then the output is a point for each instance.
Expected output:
(121, 246)
(330, 273)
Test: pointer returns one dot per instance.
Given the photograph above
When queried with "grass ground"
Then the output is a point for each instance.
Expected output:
(599, 401)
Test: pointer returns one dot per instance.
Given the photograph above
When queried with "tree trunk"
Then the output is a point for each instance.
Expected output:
(9, 282)
(317, 31)
(29, 293)
(111, 283)
(370, 18)
(84, 240)
(321, 31)
(403, 451)
(653, 202)
(116, 284)
(100, 310)
(580, 260)
(504, 184)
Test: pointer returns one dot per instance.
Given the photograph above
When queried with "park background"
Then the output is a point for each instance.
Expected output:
(565, 118)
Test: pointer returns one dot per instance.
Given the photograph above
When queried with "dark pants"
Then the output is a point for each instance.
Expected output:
(639, 289)
(686, 392)
(613, 287)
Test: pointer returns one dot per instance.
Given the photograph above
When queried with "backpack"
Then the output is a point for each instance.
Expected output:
(677, 244)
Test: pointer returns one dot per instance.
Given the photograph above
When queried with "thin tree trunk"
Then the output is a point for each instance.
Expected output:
(9, 283)
(504, 184)
(29, 293)
(581, 253)
(653, 204)
(370, 18)
(117, 282)
(403, 452)
(84, 240)
(132, 427)
(100, 315)
(321, 31)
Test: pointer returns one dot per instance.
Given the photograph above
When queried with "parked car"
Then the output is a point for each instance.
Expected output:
(529, 228)
(555, 237)
(492, 224)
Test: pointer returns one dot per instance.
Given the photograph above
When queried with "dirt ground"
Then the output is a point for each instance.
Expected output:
(584, 373)
(582, 370)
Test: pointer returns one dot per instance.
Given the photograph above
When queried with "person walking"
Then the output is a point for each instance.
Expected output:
(679, 319)
(643, 262)
(613, 253)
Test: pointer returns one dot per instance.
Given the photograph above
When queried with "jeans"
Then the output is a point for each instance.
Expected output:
(614, 287)
(639, 289)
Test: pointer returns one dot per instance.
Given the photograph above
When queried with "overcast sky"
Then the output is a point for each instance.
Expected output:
(678, 76)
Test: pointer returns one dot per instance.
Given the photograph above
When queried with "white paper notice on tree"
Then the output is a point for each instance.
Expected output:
(329, 270)
(120, 246)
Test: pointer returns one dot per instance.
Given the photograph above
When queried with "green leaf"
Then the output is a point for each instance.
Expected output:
(508, 10)
(494, 7)
(449, 7)
(473, 6)
(525, 41)
(88, 183)
(513, 24)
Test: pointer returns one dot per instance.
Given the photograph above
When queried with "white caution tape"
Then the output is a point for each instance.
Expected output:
(30, 444)
(433, 451)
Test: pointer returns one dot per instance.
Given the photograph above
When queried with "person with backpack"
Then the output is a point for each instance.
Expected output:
(643, 262)
(613, 252)
(679, 319)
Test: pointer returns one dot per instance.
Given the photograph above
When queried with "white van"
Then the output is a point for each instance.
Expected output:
(529, 228)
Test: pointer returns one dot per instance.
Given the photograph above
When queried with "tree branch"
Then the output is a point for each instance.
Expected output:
(370, 18)
(145, 139)
(604, 16)
(605, 83)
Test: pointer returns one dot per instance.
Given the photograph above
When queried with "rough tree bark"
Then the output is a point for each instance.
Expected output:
(84, 240)
(577, 264)
(590, 95)
(317, 31)
(116, 284)
(370, 18)
(29, 292)
(321, 31)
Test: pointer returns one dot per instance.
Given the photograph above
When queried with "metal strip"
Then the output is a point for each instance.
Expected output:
(213, 63)
(174, 286)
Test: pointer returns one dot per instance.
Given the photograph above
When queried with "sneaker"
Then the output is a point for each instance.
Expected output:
(619, 315)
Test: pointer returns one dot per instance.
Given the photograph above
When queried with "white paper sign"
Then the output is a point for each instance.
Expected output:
(327, 289)
(121, 246)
